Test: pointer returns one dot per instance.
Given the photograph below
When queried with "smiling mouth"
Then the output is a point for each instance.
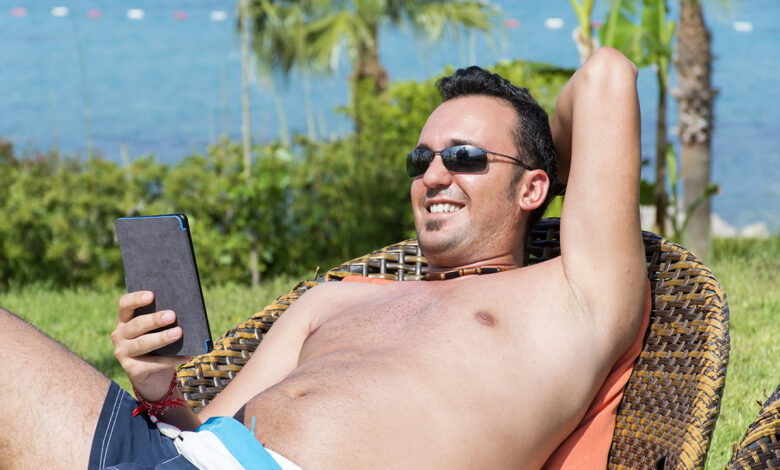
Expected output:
(444, 208)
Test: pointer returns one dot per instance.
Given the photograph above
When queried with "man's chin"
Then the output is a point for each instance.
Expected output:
(438, 248)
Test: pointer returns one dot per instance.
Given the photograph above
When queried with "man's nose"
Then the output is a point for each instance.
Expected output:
(437, 174)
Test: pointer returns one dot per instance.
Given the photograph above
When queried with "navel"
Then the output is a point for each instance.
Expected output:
(485, 318)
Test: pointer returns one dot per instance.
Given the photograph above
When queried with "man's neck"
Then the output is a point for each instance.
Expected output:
(505, 262)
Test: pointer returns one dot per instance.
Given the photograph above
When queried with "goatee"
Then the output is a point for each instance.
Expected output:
(433, 225)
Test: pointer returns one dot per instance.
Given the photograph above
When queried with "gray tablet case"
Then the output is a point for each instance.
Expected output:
(157, 255)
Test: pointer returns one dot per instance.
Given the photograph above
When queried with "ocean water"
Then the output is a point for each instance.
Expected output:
(169, 84)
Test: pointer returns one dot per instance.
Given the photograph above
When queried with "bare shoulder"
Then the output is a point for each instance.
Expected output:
(323, 299)
(339, 291)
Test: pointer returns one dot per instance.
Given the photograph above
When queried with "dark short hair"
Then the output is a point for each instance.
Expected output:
(532, 136)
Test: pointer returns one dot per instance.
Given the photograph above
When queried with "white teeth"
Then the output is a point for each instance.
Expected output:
(441, 208)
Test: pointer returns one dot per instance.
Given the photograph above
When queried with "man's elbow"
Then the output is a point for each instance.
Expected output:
(609, 67)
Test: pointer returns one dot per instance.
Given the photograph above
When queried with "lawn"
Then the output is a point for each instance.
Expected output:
(749, 271)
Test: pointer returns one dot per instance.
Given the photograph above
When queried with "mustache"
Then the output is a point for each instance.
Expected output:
(447, 193)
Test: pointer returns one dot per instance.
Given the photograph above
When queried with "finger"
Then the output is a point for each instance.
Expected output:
(143, 324)
(147, 343)
(131, 301)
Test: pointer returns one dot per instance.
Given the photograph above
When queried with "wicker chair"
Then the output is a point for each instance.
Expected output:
(672, 399)
(760, 448)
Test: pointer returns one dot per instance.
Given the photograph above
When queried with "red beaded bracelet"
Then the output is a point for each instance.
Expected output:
(158, 408)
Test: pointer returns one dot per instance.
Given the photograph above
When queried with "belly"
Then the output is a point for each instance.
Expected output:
(420, 379)
(401, 392)
(371, 410)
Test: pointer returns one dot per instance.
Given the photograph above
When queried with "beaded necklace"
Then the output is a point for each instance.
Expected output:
(429, 276)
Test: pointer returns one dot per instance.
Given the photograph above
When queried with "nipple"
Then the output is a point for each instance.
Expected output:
(485, 318)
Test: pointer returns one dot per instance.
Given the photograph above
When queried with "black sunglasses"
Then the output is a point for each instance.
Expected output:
(458, 158)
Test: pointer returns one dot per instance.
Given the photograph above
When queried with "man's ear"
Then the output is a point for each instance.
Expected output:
(533, 189)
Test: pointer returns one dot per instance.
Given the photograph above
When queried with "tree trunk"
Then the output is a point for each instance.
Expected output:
(695, 97)
(586, 43)
(659, 192)
(367, 67)
(246, 143)
(696, 177)
(245, 132)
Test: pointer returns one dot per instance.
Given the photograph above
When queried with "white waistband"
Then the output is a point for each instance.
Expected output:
(283, 461)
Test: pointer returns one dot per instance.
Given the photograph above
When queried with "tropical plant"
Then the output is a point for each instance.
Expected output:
(695, 96)
(279, 43)
(681, 216)
(313, 33)
(245, 131)
(331, 200)
(583, 34)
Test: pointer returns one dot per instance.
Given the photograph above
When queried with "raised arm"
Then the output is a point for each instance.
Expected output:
(596, 131)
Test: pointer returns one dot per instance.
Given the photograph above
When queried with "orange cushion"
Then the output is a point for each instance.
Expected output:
(368, 280)
(588, 446)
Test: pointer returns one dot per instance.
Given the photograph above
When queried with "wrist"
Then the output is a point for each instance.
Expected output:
(157, 408)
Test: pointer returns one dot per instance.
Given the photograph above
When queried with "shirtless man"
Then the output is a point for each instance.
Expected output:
(482, 371)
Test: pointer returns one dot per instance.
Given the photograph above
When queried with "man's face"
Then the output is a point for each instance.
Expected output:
(464, 218)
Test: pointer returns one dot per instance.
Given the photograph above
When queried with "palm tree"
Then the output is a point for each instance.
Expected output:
(695, 97)
(254, 268)
(313, 34)
(583, 34)
(278, 41)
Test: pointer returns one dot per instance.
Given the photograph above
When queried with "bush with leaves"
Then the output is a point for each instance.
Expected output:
(316, 204)
(228, 215)
(58, 214)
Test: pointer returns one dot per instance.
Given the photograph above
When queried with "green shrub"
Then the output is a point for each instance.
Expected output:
(315, 204)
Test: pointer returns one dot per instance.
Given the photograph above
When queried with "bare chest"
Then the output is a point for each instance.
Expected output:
(408, 317)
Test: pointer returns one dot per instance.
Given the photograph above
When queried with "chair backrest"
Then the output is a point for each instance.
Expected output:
(760, 448)
(672, 399)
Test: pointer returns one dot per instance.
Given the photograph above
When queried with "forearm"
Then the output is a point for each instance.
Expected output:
(597, 132)
(561, 131)
(183, 417)
(592, 89)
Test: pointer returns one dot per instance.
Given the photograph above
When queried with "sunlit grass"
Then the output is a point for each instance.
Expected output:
(749, 271)
(82, 320)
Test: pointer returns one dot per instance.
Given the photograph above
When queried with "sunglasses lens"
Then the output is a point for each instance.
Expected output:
(464, 159)
(460, 159)
(417, 161)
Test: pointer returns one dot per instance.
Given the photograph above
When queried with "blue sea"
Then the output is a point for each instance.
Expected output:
(164, 78)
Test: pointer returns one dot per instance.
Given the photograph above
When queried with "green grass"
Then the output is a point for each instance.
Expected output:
(749, 271)
(83, 320)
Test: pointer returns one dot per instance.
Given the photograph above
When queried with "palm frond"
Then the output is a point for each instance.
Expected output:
(432, 19)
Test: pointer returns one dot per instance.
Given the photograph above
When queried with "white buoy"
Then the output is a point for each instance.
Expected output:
(59, 12)
(742, 26)
(218, 15)
(136, 14)
(553, 23)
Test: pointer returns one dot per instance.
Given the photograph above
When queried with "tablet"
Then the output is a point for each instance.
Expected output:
(157, 255)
